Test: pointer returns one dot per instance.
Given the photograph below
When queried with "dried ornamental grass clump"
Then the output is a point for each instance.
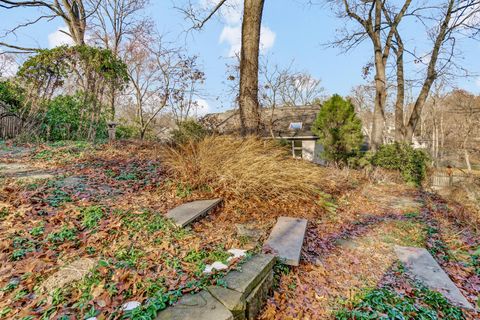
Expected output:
(249, 168)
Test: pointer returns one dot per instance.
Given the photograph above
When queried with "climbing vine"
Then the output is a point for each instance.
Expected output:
(67, 71)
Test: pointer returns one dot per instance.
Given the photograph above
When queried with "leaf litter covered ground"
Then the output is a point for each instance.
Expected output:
(105, 210)
(106, 207)
(345, 267)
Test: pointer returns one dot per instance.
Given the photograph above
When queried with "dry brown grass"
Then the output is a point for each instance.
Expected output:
(252, 169)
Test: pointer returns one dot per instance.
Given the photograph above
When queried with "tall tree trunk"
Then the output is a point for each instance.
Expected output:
(75, 17)
(378, 122)
(380, 57)
(112, 99)
(248, 98)
(400, 101)
(431, 73)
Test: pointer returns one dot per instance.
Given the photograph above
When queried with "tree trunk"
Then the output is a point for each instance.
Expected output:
(248, 98)
(431, 74)
(378, 122)
(400, 102)
(74, 15)
(112, 99)
(467, 160)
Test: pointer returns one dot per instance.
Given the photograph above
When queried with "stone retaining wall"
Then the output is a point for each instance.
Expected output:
(242, 297)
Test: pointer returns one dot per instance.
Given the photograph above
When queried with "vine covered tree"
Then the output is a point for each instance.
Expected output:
(68, 71)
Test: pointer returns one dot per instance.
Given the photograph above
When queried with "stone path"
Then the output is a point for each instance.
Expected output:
(286, 239)
(242, 297)
(23, 172)
(423, 267)
(191, 211)
(14, 152)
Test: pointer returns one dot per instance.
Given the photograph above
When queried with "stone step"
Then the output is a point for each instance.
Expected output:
(199, 306)
(191, 211)
(286, 239)
(241, 298)
(420, 264)
(251, 274)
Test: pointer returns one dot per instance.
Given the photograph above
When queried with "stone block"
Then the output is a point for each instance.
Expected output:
(257, 297)
(200, 306)
(190, 211)
(420, 264)
(251, 274)
(231, 299)
(286, 239)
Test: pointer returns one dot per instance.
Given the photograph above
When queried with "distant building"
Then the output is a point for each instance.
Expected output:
(292, 124)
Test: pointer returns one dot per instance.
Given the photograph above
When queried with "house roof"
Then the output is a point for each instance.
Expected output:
(284, 122)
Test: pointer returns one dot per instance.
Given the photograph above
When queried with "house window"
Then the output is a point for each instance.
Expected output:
(297, 148)
(295, 126)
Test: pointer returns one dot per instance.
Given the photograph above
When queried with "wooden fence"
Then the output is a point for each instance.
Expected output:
(10, 124)
(443, 178)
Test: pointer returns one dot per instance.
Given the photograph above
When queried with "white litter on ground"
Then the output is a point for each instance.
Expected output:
(217, 265)
(237, 253)
(131, 305)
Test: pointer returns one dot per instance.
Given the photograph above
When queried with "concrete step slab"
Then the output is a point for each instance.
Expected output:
(251, 274)
(286, 239)
(420, 264)
(231, 299)
(199, 306)
(191, 211)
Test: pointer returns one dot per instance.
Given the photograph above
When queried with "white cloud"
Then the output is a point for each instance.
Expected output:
(231, 15)
(202, 107)
(233, 36)
(59, 38)
(267, 38)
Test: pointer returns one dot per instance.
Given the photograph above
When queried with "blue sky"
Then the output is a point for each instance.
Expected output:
(292, 31)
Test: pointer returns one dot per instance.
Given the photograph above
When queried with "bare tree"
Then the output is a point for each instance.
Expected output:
(161, 79)
(183, 102)
(301, 89)
(369, 17)
(74, 14)
(363, 98)
(281, 87)
(464, 109)
(445, 23)
(8, 65)
(115, 22)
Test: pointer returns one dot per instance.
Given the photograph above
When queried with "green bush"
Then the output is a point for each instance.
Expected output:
(11, 94)
(67, 117)
(127, 131)
(412, 163)
(189, 130)
(339, 130)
